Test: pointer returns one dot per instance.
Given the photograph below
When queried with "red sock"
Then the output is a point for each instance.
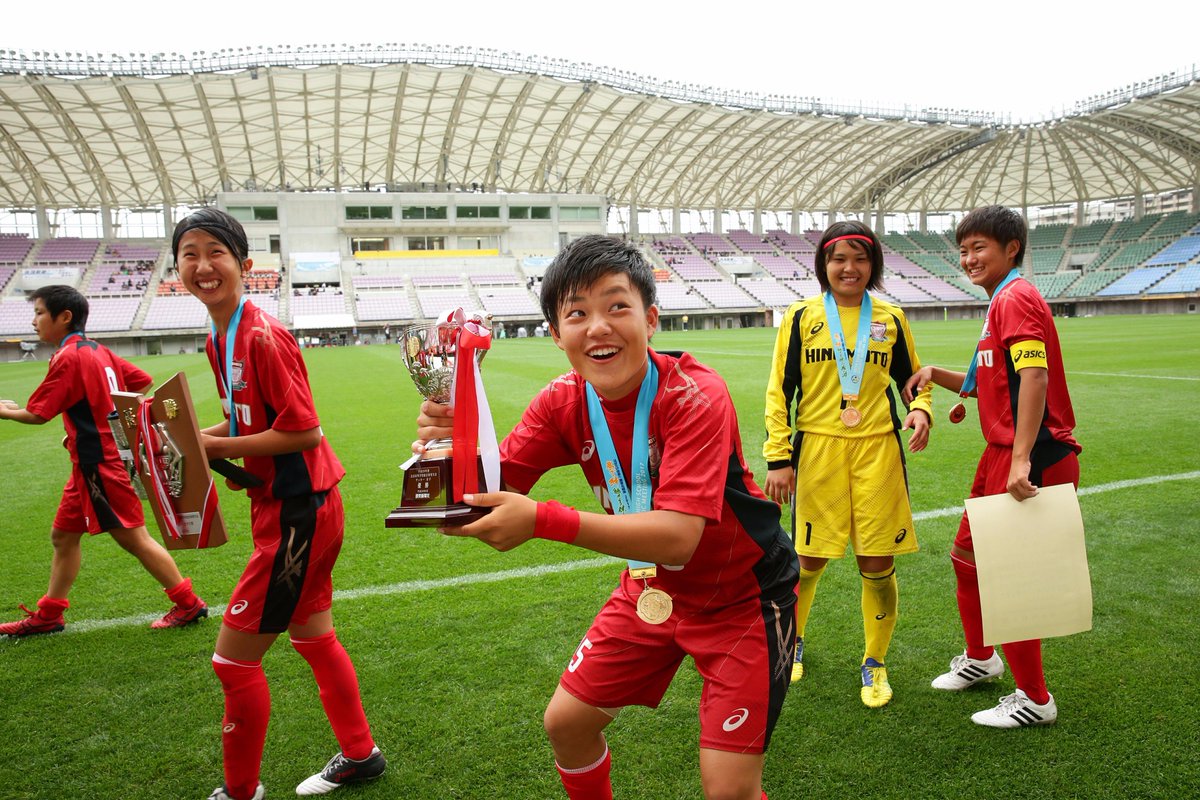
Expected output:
(182, 594)
(244, 727)
(591, 782)
(1025, 661)
(52, 607)
(968, 609)
(334, 673)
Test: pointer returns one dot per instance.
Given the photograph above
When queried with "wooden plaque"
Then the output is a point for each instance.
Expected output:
(193, 504)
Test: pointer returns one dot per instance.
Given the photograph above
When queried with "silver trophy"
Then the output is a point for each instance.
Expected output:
(430, 351)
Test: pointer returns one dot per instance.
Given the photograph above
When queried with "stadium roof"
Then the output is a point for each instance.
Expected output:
(83, 131)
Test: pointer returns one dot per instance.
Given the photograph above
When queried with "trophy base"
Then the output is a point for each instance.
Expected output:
(425, 502)
(445, 516)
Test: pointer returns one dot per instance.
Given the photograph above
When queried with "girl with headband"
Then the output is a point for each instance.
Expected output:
(833, 447)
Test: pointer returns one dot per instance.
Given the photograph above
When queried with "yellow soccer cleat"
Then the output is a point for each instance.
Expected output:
(876, 691)
(798, 661)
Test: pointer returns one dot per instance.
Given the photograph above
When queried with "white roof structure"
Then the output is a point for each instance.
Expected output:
(141, 131)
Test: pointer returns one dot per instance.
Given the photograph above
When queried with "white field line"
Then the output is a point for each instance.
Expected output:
(407, 587)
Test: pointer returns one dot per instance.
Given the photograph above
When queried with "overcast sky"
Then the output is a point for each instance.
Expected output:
(1019, 57)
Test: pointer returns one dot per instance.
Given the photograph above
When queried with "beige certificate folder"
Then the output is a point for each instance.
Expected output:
(1032, 564)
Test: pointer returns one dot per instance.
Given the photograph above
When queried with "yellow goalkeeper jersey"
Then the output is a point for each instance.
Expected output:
(804, 393)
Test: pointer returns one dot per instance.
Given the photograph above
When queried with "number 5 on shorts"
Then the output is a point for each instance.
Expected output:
(577, 659)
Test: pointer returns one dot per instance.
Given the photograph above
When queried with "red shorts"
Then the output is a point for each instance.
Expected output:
(743, 654)
(98, 498)
(288, 579)
(1051, 464)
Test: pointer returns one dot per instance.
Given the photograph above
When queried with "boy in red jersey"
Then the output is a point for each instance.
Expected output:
(712, 573)
(1027, 421)
(296, 517)
(98, 496)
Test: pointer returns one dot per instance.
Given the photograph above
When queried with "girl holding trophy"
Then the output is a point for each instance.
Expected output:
(296, 517)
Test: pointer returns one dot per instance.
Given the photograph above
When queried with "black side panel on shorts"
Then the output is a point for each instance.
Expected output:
(779, 623)
(95, 487)
(297, 522)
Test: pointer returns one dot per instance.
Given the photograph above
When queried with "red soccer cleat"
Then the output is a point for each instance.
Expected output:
(33, 623)
(179, 616)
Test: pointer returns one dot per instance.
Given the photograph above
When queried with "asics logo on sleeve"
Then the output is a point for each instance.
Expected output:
(238, 607)
(735, 720)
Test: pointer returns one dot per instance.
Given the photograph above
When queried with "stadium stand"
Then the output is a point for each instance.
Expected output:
(725, 295)
(1135, 282)
(1186, 279)
(769, 293)
(66, 250)
(1180, 251)
(14, 248)
(383, 306)
(679, 297)
(16, 317)
(434, 302)
(501, 302)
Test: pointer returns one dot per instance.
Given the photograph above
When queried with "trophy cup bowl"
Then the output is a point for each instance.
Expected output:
(430, 351)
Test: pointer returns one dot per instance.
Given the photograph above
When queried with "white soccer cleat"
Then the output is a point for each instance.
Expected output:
(966, 671)
(1016, 710)
(341, 771)
(222, 793)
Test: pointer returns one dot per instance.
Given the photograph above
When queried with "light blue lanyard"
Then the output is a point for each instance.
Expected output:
(625, 501)
(230, 341)
(849, 374)
(969, 382)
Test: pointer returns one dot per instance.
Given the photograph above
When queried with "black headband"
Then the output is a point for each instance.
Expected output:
(216, 227)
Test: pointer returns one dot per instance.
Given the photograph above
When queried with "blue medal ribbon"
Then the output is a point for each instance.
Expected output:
(969, 381)
(849, 373)
(230, 340)
(624, 500)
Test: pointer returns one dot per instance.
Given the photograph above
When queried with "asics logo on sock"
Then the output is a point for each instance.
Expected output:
(881, 616)
(228, 727)
(735, 720)
(238, 607)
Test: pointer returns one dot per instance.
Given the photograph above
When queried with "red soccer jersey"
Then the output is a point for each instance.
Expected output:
(1019, 314)
(696, 467)
(271, 392)
(82, 374)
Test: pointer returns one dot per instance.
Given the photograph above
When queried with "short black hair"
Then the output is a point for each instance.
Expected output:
(872, 248)
(585, 261)
(218, 224)
(999, 223)
(58, 298)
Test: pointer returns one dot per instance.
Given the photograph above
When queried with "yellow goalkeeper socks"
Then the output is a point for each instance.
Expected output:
(880, 605)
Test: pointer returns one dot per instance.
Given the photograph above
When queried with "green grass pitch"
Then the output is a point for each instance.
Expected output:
(457, 660)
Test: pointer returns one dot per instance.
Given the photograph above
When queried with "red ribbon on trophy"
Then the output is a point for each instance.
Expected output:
(149, 441)
(470, 404)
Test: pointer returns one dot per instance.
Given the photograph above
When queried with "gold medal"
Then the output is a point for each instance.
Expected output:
(958, 413)
(654, 606)
(851, 416)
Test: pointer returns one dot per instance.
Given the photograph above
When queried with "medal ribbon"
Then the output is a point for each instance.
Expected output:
(969, 382)
(625, 500)
(849, 374)
(474, 432)
(230, 340)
